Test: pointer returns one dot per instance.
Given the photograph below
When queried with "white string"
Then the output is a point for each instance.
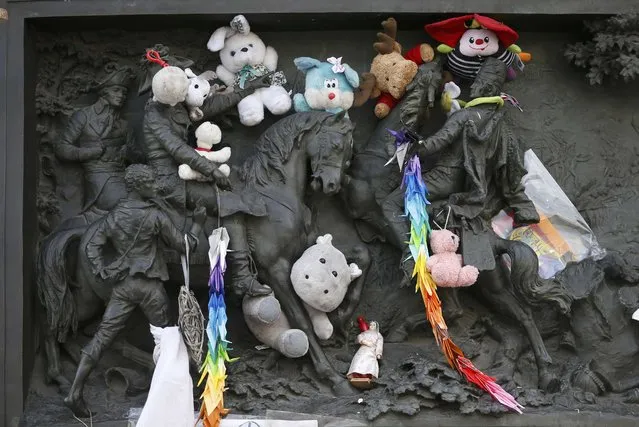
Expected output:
(447, 216)
(90, 419)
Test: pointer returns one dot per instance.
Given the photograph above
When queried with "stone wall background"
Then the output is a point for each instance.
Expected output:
(588, 138)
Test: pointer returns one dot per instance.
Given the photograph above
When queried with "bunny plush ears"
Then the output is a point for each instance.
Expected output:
(239, 24)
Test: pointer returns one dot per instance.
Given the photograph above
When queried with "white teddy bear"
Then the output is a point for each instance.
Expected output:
(320, 277)
(207, 135)
(199, 90)
(170, 85)
(244, 58)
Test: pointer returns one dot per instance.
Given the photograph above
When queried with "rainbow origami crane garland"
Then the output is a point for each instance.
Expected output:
(415, 202)
(213, 368)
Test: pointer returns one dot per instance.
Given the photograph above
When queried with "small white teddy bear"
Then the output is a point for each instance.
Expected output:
(244, 58)
(199, 90)
(207, 135)
(170, 85)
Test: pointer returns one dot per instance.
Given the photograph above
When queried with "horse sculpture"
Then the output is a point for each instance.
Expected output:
(316, 142)
(375, 198)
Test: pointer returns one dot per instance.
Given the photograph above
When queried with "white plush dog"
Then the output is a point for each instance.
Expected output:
(244, 58)
(207, 135)
(199, 90)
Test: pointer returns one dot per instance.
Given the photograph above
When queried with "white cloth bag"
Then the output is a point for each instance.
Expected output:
(170, 400)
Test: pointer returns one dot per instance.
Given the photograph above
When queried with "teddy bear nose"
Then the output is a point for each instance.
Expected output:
(478, 42)
(244, 49)
(331, 95)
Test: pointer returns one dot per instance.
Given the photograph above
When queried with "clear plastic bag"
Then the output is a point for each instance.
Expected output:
(562, 235)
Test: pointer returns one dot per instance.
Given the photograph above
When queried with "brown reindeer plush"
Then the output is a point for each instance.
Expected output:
(392, 71)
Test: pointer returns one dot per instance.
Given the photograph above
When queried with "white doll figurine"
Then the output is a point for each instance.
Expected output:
(207, 135)
(364, 366)
(244, 58)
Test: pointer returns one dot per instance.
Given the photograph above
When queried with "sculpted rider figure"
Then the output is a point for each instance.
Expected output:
(165, 144)
(479, 168)
(133, 229)
(96, 138)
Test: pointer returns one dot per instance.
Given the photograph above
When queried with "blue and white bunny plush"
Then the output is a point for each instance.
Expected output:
(330, 85)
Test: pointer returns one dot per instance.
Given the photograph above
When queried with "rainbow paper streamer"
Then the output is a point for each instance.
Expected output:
(415, 202)
(213, 370)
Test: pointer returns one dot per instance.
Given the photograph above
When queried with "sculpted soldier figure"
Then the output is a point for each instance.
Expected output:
(479, 167)
(96, 137)
(165, 145)
(133, 229)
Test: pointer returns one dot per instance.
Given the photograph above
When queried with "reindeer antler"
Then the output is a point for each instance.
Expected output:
(390, 28)
(387, 40)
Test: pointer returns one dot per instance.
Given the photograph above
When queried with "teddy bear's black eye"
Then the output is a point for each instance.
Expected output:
(452, 237)
(196, 86)
(205, 95)
(335, 273)
(325, 291)
(486, 39)
(333, 84)
(322, 260)
(472, 39)
(232, 53)
(387, 79)
(250, 44)
(306, 277)
(328, 85)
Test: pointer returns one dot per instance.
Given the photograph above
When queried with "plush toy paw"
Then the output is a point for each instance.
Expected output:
(251, 111)
(426, 52)
(444, 276)
(323, 330)
(280, 105)
(382, 110)
(276, 100)
(225, 169)
(266, 309)
(221, 156)
(467, 276)
(251, 117)
(300, 104)
(196, 114)
(186, 173)
(293, 343)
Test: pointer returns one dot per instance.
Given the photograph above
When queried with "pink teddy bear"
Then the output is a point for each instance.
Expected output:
(445, 265)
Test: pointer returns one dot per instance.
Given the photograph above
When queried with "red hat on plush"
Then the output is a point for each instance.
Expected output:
(451, 30)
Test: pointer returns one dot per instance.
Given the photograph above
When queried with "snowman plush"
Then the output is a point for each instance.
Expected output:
(244, 58)
(468, 40)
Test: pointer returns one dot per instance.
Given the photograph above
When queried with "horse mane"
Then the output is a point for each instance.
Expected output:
(274, 147)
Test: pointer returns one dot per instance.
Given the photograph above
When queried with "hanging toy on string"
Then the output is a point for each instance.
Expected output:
(415, 205)
(213, 371)
(467, 40)
(149, 68)
(190, 317)
(170, 85)
(445, 265)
